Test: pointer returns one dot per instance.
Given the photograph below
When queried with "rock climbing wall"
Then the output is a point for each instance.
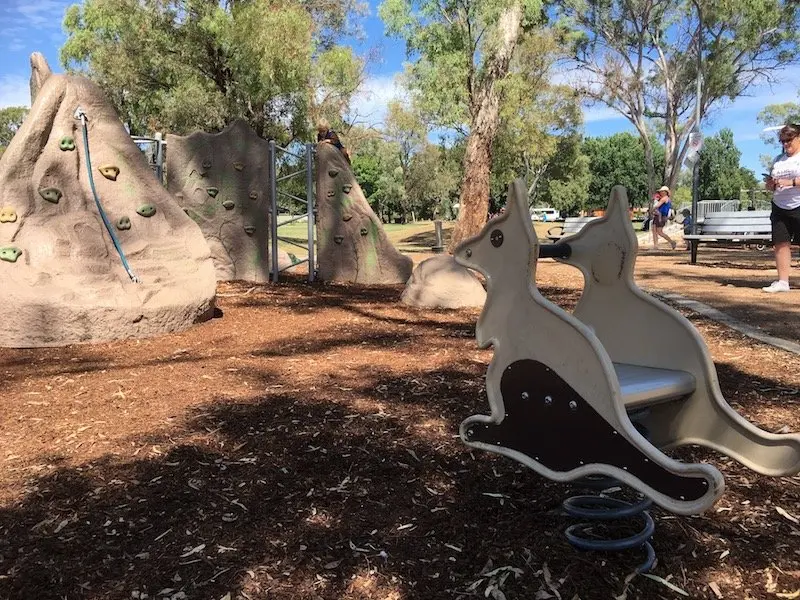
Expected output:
(62, 279)
(222, 182)
(353, 246)
(440, 282)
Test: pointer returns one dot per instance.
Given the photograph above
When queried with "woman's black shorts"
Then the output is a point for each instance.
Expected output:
(785, 224)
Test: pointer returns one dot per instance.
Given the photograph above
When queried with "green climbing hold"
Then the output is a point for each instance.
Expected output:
(238, 166)
(363, 231)
(51, 194)
(293, 258)
(249, 229)
(67, 143)
(253, 195)
(338, 239)
(123, 223)
(346, 188)
(146, 210)
(10, 253)
(8, 215)
(333, 172)
(228, 204)
(212, 191)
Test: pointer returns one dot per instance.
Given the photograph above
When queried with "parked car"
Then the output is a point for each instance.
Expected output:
(545, 214)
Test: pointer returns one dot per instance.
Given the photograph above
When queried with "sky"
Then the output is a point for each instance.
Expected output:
(35, 25)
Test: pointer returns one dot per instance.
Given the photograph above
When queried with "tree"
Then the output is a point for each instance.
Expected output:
(639, 57)
(720, 173)
(182, 65)
(776, 115)
(619, 160)
(464, 54)
(10, 120)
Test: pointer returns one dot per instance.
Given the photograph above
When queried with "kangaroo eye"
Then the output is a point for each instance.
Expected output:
(496, 237)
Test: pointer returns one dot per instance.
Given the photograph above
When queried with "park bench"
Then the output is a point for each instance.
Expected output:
(571, 226)
(582, 394)
(746, 226)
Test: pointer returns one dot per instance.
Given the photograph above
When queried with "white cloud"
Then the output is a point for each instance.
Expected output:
(43, 13)
(599, 112)
(14, 91)
(370, 104)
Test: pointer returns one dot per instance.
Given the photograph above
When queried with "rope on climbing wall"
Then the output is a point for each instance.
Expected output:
(81, 115)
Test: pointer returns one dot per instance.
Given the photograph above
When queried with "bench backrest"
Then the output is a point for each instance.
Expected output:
(745, 221)
(575, 224)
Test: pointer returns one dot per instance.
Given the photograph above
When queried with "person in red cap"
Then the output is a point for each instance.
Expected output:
(662, 204)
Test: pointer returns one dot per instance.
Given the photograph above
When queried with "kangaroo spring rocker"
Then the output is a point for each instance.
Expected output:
(575, 396)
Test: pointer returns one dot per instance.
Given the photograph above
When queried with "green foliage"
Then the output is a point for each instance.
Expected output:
(777, 115)
(619, 160)
(182, 65)
(639, 57)
(720, 173)
(10, 120)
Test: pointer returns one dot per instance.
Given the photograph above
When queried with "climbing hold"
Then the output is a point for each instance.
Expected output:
(331, 193)
(10, 253)
(51, 194)
(253, 195)
(109, 171)
(228, 204)
(293, 258)
(333, 172)
(338, 239)
(238, 166)
(123, 223)
(249, 229)
(363, 231)
(7, 215)
(346, 216)
(146, 210)
(206, 164)
(346, 188)
(212, 191)
(67, 143)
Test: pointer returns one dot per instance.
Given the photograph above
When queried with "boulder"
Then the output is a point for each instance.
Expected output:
(439, 282)
(222, 182)
(63, 279)
(352, 244)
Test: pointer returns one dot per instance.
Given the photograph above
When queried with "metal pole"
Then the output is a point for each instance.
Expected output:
(696, 166)
(438, 248)
(159, 158)
(310, 208)
(273, 216)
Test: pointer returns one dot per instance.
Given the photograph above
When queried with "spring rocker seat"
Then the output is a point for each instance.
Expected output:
(573, 395)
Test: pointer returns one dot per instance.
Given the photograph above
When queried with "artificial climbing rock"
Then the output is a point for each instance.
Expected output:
(109, 171)
(146, 210)
(10, 253)
(239, 184)
(68, 285)
(440, 282)
(8, 215)
(353, 246)
(51, 194)
(124, 223)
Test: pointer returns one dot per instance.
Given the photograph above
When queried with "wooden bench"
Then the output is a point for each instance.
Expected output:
(741, 226)
(571, 226)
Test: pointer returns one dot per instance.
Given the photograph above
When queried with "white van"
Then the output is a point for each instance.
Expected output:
(545, 214)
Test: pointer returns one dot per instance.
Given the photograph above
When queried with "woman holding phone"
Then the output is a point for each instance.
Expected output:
(784, 181)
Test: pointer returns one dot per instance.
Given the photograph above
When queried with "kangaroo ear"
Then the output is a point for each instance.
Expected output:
(517, 204)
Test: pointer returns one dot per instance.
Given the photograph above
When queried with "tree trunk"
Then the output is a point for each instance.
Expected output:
(484, 121)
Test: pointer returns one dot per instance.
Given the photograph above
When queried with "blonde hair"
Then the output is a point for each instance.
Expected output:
(323, 125)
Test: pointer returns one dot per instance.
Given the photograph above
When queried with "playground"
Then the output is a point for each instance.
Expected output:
(304, 445)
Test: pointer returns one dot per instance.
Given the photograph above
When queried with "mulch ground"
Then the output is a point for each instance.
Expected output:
(304, 445)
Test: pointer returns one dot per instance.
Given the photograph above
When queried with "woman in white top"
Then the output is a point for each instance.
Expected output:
(784, 180)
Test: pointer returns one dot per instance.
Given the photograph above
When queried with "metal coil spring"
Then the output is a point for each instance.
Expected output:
(604, 508)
